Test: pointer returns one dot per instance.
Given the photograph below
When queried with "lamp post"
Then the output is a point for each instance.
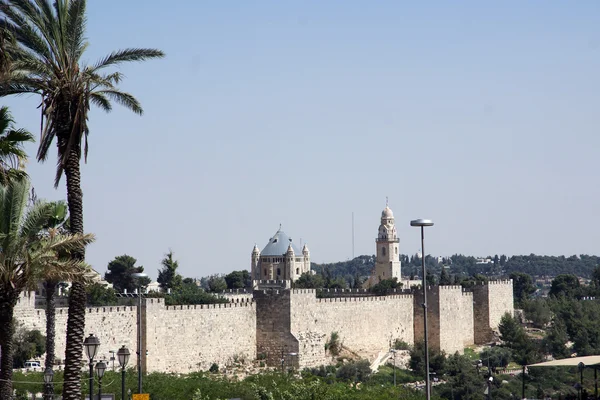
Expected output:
(489, 391)
(91, 344)
(422, 223)
(48, 378)
(100, 368)
(123, 356)
(138, 276)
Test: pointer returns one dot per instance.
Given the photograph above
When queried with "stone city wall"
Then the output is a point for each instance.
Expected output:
(501, 301)
(491, 302)
(367, 325)
(456, 319)
(183, 339)
(114, 326)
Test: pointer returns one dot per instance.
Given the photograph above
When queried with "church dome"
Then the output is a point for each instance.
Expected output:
(387, 213)
(255, 250)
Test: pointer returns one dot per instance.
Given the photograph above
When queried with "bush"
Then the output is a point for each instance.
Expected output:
(354, 372)
(333, 345)
(401, 345)
(214, 368)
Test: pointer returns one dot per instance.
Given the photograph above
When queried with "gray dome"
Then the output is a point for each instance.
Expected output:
(278, 245)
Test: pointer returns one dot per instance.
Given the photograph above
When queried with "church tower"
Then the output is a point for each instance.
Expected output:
(387, 264)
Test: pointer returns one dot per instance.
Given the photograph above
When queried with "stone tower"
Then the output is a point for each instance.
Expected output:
(387, 264)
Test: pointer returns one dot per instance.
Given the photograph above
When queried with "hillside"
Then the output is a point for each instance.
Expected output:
(458, 264)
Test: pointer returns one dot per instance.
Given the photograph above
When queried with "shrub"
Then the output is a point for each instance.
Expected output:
(401, 345)
(214, 368)
(333, 345)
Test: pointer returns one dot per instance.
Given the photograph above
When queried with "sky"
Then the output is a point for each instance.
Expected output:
(481, 117)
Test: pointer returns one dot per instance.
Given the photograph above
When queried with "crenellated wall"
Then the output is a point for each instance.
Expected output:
(275, 320)
(367, 325)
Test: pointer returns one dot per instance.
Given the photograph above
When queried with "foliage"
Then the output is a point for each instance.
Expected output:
(401, 345)
(28, 344)
(120, 272)
(333, 345)
(386, 286)
(525, 350)
(538, 312)
(437, 359)
(30, 253)
(462, 380)
(99, 295)
(495, 357)
(214, 368)
(308, 280)
(12, 153)
(445, 278)
(188, 293)
(556, 339)
(168, 278)
(523, 287)
(565, 285)
(217, 284)
(358, 371)
(238, 280)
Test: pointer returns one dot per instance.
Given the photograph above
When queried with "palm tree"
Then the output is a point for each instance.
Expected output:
(28, 254)
(12, 154)
(45, 59)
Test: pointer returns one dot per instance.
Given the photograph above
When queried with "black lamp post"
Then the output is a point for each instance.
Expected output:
(139, 276)
(123, 356)
(48, 378)
(100, 369)
(580, 366)
(91, 344)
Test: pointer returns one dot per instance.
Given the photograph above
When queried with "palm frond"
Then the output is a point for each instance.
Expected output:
(76, 29)
(124, 99)
(37, 218)
(101, 101)
(127, 55)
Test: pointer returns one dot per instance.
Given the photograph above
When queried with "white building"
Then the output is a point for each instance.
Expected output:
(280, 259)
(387, 263)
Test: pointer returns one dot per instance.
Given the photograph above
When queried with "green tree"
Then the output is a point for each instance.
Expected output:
(308, 280)
(437, 359)
(462, 380)
(99, 295)
(120, 272)
(217, 284)
(29, 254)
(47, 59)
(386, 286)
(538, 312)
(565, 285)
(556, 339)
(523, 287)
(12, 153)
(168, 278)
(495, 357)
(28, 344)
(445, 278)
(238, 280)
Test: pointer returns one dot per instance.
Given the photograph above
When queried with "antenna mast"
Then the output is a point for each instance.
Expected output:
(353, 235)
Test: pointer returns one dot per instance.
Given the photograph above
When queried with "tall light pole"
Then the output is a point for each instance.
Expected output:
(422, 223)
(100, 369)
(138, 276)
(48, 378)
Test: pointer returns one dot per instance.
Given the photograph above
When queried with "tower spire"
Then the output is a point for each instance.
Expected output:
(386, 201)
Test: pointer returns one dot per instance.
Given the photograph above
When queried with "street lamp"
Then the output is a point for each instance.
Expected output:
(422, 223)
(123, 356)
(91, 344)
(489, 391)
(581, 367)
(100, 368)
(138, 276)
(48, 378)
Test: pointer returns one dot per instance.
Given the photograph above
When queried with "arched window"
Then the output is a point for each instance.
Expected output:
(278, 271)
(396, 251)
(297, 271)
(265, 272)
(383, 251)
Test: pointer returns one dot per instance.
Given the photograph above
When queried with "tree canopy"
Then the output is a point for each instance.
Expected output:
(120, 272)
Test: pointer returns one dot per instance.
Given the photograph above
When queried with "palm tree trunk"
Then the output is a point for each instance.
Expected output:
(8, 300)
(50, 332)
(77, 294)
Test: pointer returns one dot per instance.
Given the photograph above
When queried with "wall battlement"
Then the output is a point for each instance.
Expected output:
(363, 299)
(210, 306)
(500, 282)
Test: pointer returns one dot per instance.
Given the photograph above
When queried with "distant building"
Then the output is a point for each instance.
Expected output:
(280, 259)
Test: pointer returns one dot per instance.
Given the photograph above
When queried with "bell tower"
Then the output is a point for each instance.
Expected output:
(387, 264)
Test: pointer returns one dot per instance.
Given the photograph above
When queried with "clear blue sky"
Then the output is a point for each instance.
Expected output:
(483, 117)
